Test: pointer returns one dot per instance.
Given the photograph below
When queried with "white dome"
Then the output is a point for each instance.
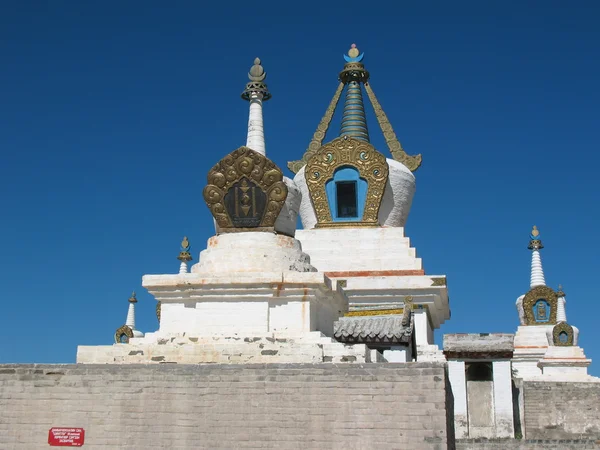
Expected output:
(395, 206)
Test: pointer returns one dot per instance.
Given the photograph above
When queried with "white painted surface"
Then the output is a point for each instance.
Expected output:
(395, 205)
(396, 353)
(537, 272)
(252, 252)
(130, 322)
(531, 344)
(256, 134)
(561, 310)
(422, 329)
(503, 404)
(183, 267)
(458, 382)
(288, 216)
(204, 304)
(359, 249)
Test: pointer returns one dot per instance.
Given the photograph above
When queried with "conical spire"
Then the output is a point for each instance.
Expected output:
(537, 272)
(561, 310)
(354, 77)
(130, 322)
(354, 121)
(256, 92)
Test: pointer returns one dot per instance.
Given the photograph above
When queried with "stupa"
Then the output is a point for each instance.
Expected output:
(253, 296)
(346, 288)
(546, 346)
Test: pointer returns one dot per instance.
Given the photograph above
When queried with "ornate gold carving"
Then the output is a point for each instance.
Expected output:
(398, 153)
(320, 133)
(123, 334)
(438, 281)
(374, 312)
(562, 327)
(158, 310)
(531, 298)
(256, 189)
(347, 151)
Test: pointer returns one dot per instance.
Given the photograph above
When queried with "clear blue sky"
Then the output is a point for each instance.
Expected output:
(112, 113)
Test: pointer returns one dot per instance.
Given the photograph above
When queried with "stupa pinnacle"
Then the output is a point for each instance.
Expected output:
(354, 123)
(256, 93)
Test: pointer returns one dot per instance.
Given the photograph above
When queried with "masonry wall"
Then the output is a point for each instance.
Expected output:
(561, 410)
(525, 444)
(327, 406)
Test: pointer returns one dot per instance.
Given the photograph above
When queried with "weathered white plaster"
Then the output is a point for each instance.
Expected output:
(263, 348)
(458, 383)
(183, 267)
(395, 205)
(503, 404)
(252, 252)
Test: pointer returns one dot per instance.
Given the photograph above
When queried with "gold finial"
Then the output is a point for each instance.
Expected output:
(353, 52)
(535, 243)
(560, 292)
(185, 244)
(133, 298)
(184, 254)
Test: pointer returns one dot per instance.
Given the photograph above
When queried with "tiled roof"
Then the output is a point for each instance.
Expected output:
(372, 329)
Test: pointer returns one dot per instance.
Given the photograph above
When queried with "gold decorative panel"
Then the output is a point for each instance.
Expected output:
(346, 152)
(245, 192)
(565, 328)
(123, 334)
(536, 313)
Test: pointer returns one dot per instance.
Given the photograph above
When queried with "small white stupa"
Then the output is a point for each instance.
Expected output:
(545, 345)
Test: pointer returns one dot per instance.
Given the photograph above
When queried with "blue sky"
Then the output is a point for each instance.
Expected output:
(112, 113)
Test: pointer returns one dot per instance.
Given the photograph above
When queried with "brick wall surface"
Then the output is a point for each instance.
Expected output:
(562, 410)
(326, 406)
(525, 444)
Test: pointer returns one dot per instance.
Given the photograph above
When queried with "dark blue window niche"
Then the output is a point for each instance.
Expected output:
(563, 337)
(346, 195)
(541, 311)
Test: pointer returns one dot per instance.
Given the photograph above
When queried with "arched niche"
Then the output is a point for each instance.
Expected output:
(346, 194)
(539, 306)
(346, 170)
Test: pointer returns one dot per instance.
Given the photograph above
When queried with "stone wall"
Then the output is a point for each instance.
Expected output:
(559, 410)
(329, 406)
(529, 444)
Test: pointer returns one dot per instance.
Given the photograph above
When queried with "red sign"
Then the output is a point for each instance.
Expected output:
(66, 437)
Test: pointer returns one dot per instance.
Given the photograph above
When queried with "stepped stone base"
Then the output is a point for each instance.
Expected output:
(310, 348)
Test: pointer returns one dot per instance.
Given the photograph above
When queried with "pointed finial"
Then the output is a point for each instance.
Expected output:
(256, 86)
(354, 55)
(184, 254)
(560, 292)
(133, 298)
(257, 72)
(535, 243)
